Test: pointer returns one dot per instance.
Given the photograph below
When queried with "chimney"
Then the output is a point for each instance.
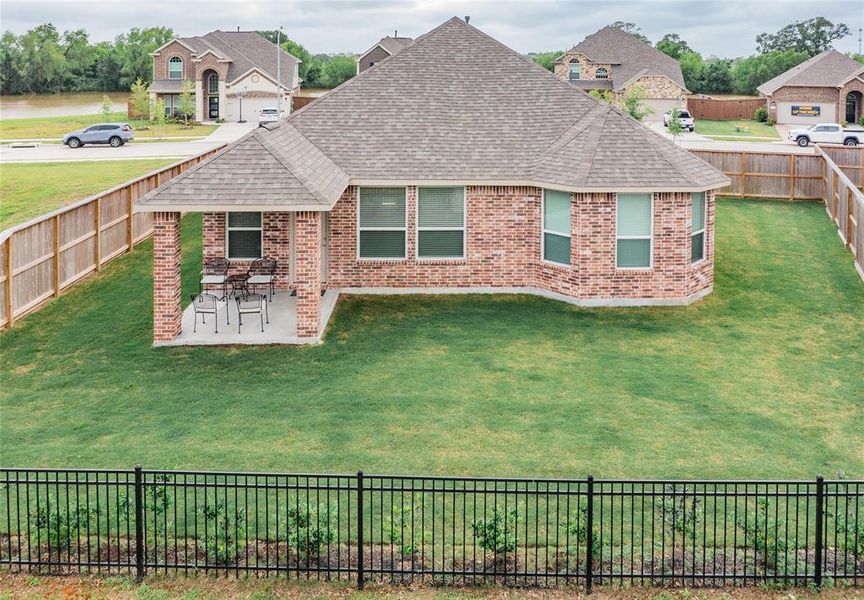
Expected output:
(238, 29)
(467, 18)
(395, 33)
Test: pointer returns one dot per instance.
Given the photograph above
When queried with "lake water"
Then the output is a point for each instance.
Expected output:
(59, 105)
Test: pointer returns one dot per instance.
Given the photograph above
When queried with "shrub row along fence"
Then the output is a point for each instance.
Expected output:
(451, 530)
(833, 175)
(723, 110)
(41, 258)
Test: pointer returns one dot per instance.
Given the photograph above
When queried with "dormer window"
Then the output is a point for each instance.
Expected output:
(573, 71)
(601, 73)
(175, 68)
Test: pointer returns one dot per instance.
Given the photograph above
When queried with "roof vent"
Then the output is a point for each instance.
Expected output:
(467, 18)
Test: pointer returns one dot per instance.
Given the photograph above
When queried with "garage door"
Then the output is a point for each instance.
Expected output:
(251, 108)
(660, 106)
(827, 112)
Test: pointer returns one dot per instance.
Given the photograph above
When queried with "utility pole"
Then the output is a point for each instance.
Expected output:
(279, 74)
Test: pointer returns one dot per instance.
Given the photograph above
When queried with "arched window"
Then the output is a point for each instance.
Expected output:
(175, 68)
(601, 73)
(573, 71)
(213, 83)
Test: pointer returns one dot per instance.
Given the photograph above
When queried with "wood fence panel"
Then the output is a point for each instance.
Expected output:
(723, 110)
(844, 202)
(43, 256)
(298, 102)
(850, 160)
(768, 174)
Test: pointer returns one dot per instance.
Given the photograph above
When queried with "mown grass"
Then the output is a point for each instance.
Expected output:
(763, 378)
(735, 130)
(56, 127)
(28, 190)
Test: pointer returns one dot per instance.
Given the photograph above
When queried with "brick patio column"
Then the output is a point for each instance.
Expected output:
(167, 310)
(307, 272)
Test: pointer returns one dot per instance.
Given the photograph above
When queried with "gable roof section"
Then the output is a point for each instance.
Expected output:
(630, 55)
(435, 114)
(827, 69)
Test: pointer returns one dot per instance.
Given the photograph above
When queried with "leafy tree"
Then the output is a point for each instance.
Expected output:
(692, 67)
(187, 101)
(545, 59)
(157, 115)
(716, 76)
(630, 28)
(751, 72)
(607, 96)
(78, 58)
(855, 56)
(672, 45)
(811, 36)
(107, 107)
(674, 126)
(105, 67)
(133, 52)
(140, 100)
(291, 47)
(337, 70)
(10, 58)
(632, 103)
(42, 63)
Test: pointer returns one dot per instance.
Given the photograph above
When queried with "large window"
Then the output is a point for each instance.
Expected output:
(244, 235)
(441, 222)
(573, 71)
(601, 73)
(697, 228)
(634, 224)
(556, 227)
(213, 83)
(381, 222)
(175, 68)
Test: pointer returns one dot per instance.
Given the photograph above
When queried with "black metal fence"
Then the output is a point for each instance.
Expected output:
(457, 530)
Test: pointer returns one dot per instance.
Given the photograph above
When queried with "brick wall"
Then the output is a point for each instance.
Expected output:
(276, 244)
(587, 69)
(308, 273)
(376, 55)
(167, 311)
(659, 87)
(160, 62)
(804, 95)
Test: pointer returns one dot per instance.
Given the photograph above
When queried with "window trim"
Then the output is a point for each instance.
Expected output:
(605, 73)
(544, 231)
(635, 237)
(703, 231)
(229, 229)
(464, 228)
(403, 229)
(171, 60)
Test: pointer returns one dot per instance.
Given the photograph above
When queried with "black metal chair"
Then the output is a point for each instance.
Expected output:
(214, 274)
(250, 305)
(206, 304)
(262, 272)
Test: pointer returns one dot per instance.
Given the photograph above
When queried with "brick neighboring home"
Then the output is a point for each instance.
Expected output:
(223, 65)
(827, 88)
(424, 174)
(386, 47)
(611, 59)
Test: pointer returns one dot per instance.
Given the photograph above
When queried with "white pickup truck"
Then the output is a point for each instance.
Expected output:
(827, 133)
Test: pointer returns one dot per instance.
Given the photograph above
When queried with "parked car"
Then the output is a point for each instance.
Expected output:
(268, 115)
(684, 117)
(114, 134)
(827, 133)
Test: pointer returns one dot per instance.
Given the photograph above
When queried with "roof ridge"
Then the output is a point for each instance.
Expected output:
(663, 147)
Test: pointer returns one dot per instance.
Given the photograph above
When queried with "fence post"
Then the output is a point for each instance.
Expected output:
(360, 530)
(10, 299)
(130, 219)
(589, 536)
(139, 525)
(820, 518)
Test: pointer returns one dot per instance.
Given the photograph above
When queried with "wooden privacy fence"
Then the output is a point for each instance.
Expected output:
(723, 110)
(41, 258)
(845, 205)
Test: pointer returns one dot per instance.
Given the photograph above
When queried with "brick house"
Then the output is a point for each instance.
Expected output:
(827, 88)
(401, 182)
(384, 48)
(232, 71)
(615, 60)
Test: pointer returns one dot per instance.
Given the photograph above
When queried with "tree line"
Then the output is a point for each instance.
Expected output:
(776, 53)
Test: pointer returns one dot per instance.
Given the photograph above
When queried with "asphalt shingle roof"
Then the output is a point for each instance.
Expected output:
(246, 50)
(394, 44)
(828, 69)
(454, 106)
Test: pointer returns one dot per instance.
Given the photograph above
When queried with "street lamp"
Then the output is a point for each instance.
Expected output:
(240, 94)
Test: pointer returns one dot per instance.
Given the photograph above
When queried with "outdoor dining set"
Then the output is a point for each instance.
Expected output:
(216, 286)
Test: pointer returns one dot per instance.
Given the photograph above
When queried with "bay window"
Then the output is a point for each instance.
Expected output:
(697, 228)
(556, 227)
(633, 231)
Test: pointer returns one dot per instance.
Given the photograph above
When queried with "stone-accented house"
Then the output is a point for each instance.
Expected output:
(425, 175)
(615, 60)
(827, 88)
(230, 70)
(385, 47)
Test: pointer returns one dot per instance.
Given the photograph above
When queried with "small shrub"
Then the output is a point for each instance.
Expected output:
(498, 533)
(861, 121)
(58, 525)
(680, 513)
(579, 528)
(223, 530)
(761, 530)
(771, 122)
(405, 522)
(308, 534)
(761, 114)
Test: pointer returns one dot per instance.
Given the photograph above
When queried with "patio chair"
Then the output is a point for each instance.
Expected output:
(262, 272)
(214, 274)
(250, 305)
(206, 304)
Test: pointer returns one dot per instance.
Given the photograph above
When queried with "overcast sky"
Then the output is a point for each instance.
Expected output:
(720, 28)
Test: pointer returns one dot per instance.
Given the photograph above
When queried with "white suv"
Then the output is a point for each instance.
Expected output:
(684, 117)
(268, 115)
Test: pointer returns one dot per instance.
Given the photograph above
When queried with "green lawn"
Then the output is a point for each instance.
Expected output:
(735, 130)
(56, 127)
(32, 189)
(763, 378)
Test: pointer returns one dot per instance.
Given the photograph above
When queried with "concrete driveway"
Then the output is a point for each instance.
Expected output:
(694, 141)
(226, 133)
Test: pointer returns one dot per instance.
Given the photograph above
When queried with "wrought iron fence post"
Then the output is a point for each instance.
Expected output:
(589, 536)
(360, 530)
(139, 525)
(820, 523)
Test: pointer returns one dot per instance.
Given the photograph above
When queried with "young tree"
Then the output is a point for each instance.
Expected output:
(811, 36)
(674, 127)
(630, 28)
(140, 102)
(672, 45)
(632, 103)
(158, 116)
(187, 101)
(107, 107)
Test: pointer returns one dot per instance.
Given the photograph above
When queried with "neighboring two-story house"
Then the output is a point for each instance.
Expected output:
(611, 59)
(232, 71)
(385, 47)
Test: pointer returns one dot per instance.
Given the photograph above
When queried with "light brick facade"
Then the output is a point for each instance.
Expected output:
(307, 277)
(167, 309)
